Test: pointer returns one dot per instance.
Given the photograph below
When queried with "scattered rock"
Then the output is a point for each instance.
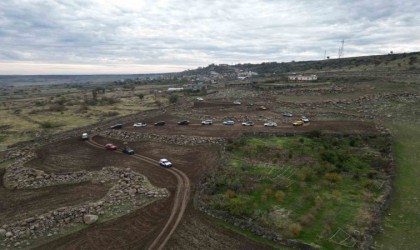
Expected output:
(90, 219)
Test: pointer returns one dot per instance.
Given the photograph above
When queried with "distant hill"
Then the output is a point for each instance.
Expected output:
(399, 62)
(22, 80)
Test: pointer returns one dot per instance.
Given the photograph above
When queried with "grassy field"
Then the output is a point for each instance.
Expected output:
(402, 224)
(304, 187)
(30, 112)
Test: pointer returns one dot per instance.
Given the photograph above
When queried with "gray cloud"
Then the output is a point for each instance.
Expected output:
(163, 35)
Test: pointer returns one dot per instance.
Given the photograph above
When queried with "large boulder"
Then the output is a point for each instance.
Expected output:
(90, 219)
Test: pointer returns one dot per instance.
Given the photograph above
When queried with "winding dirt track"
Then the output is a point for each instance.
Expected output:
(180, 200)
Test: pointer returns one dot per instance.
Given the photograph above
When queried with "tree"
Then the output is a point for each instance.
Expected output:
(140, 96)
(173, 99)
(94, 94)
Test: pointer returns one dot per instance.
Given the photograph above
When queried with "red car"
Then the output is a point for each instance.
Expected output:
(110, 146)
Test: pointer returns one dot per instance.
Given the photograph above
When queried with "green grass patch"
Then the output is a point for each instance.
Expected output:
(303, 187)
(401, 224)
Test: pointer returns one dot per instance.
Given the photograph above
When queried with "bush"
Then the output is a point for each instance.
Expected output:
(307, 219)
(110, 114)
(279, 195)
(266, 194)
(305, 174)
(57, 108)
(230, 194)
(173, 99)
(333, 177)
(49, 124)
(293, 230)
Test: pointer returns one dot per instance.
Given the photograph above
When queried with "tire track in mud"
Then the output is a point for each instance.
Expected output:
(180, 200)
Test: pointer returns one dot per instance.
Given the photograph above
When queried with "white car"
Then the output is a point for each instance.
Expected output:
(139, 124)
(199, 99)
(229, 122)
(207, 122)
(304, 119)
(270, 124)
(237, 102)
(85, 136)
(248, 123)
(165, 163)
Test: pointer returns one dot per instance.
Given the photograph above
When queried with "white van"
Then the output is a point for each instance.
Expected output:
(85, 136)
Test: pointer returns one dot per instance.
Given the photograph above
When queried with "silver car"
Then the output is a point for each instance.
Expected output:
(270, 124)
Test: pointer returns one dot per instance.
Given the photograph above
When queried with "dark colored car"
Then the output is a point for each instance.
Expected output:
(128, 151)
(117, 126)
(159, 123)
(183, 122)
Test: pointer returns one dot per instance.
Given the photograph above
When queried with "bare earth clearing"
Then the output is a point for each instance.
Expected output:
(139, 228)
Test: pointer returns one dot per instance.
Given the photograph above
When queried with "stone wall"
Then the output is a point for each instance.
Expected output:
(182, 140)
(128, 187)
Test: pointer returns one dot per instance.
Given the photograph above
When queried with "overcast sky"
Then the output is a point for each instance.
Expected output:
(141, 36)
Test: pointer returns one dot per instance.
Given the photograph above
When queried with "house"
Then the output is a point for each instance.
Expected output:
(170, 90)
(302, 78)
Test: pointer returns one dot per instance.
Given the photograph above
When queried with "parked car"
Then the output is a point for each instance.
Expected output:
(85, 136)
(199, 99)
(288, 114)
(183, 122)
(117, 126)
(139, 124)
(298, 123)
(229, 122)
(237, 102)
(165, 163)
(160, 123)
(207, 122)
(270, 124)
(262, 108)
(110, 146)
(128, 151)
(304, 119)
(248, 123)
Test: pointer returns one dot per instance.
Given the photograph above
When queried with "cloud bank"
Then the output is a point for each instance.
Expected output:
(142, 36)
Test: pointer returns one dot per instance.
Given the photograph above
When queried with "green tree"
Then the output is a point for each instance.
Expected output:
(173, 99)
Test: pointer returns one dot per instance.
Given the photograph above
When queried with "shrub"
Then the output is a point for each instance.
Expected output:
(266, 194)
(173, 99)
(293, 230)
(307, 219)
(110, 114)
(305, 174)
(57, 108)
(49, 124)
(237, 207)
(279, 195)
(230, 194)
(333, 177)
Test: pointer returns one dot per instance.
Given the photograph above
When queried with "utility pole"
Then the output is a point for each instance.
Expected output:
(325, 54)
(341, 50)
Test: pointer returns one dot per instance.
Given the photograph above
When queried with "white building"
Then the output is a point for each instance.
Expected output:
(175, 89)
(303, 78)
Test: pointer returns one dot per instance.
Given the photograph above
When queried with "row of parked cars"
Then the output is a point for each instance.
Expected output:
(300, 122)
